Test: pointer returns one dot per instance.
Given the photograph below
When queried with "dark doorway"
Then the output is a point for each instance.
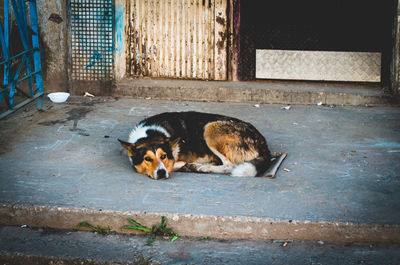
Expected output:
(340, 25)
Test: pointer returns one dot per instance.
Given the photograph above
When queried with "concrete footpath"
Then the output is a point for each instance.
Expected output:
(43, 246)
(340, 182)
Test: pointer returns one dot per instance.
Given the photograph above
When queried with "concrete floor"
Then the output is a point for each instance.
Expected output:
(343, 167)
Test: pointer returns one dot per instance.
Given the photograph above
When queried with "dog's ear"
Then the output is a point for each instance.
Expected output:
(174, 143)
(128, 147)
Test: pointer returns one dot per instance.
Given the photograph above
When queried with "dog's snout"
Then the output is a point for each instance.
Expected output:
(161, 174)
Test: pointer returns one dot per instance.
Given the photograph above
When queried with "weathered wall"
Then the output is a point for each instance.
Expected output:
(120, 39)
(53, 32)
(53, 39)
(395, 65)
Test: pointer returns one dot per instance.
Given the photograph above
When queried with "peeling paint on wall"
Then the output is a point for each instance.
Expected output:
(120, 33)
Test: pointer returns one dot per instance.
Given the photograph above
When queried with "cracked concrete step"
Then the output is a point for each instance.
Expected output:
(276, 92)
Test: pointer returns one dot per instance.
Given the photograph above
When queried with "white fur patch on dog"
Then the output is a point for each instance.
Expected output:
(161, 166)
(210, 168)
(175, 152)
(244, 170)
(140, 131)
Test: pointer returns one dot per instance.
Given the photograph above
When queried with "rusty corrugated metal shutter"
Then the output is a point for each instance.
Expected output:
(169, 38)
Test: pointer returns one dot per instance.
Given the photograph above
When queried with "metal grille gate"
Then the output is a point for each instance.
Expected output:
(172, 38)
(91, 39)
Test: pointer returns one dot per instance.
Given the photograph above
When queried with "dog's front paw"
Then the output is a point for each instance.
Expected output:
(210, 168)
(198, 167)
(186, 168)
(194, 166)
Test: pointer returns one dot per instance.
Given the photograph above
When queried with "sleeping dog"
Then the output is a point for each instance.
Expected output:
(199, 142)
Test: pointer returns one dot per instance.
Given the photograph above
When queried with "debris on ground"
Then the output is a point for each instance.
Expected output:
(282, 241)
(87, 94)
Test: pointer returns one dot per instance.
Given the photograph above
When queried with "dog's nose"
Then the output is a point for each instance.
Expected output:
(161, 174)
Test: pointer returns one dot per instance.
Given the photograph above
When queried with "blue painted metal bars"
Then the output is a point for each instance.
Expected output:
(4, 35)
(24, 59)
(35, 44)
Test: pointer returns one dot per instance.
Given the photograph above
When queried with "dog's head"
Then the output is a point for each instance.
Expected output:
(153, 157)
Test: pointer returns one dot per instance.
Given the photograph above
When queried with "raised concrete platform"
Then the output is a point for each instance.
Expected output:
(261, 91)
(64, 165)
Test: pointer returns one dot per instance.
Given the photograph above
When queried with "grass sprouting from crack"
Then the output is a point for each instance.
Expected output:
(154, 231)
(98, 229)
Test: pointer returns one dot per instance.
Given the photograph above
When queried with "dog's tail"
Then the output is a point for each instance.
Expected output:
(259, 167)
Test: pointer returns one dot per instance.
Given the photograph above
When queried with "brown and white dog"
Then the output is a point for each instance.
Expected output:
(199, 142)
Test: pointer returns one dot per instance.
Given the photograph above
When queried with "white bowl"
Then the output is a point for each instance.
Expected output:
(58, 97)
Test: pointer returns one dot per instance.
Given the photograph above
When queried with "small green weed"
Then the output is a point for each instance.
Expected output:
(98, 229)
(155, 230)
